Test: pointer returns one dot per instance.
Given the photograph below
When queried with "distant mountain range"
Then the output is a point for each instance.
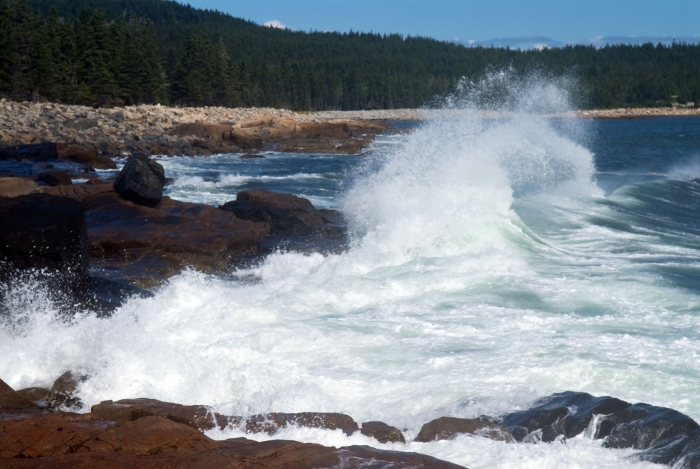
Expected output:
(542, 42)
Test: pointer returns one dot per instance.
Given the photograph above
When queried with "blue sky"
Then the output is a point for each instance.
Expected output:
(480, 20)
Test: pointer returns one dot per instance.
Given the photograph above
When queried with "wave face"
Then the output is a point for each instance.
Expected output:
(487, 269)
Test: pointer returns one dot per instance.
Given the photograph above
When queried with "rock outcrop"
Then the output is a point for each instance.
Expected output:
(663, 436)
(145, 245)
(141, 181)
(143, 433)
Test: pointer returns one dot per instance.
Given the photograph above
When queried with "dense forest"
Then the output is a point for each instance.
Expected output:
(113, 52)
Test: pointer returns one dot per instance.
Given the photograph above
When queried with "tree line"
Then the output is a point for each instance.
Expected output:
(111, 52)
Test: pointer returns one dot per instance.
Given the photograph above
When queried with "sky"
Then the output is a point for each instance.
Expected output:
(565, 21)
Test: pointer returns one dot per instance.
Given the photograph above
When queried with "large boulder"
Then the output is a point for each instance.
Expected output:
(564, 414)
(42, 231)
(662, 435)
(286, 213)
(141, 181)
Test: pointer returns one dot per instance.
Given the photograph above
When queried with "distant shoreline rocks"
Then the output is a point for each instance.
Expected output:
(159, 130)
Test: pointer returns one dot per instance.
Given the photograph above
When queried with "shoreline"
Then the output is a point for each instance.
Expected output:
(158, 130)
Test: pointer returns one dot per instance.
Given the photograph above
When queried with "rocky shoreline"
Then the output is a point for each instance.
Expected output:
(159, 130)
(47, 427)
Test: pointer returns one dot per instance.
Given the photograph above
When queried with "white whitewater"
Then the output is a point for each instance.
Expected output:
(475, 284)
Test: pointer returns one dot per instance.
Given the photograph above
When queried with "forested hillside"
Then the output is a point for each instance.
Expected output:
(106, 52)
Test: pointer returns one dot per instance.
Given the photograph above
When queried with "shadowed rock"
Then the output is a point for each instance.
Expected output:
(141, 181)
(55, 178)
(445, 428)
(286, 213)
(12, 401)
(41, 231)
(382, 432)
(35, 395)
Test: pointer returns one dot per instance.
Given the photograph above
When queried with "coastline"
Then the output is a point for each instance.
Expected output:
(160, 130)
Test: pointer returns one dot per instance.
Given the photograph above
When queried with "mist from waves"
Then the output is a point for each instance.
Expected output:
(476, 283)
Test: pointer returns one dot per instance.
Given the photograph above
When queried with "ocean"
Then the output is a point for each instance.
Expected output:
(491, 262)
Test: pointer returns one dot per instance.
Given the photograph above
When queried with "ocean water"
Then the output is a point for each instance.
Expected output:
(493, 262)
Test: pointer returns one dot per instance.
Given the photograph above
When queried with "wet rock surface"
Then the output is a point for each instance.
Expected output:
(445, 428)
(295, 224)
(63, 392)
(564, 414)
(141, 181)
(382, 432)
(272, 422)
(663, 436)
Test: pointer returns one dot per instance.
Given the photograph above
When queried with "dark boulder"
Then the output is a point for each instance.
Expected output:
(286, 213)
(563, 414)
(62, 393)
(445, 428)
(42, 231)
(382, 432)
(55, 178)
(662, 435)
(660, 431)
(141, 181)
